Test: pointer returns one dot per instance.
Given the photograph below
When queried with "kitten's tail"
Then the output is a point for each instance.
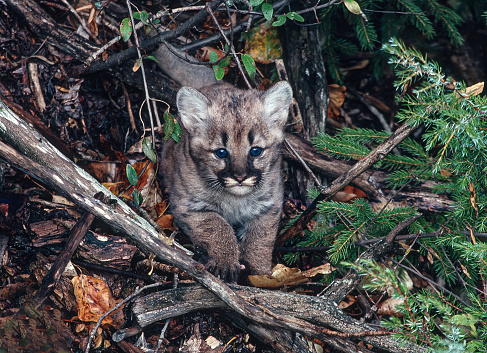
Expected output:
(182, 71)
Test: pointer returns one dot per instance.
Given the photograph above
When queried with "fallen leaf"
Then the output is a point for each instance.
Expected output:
(324, 269)
(348, 194)
(475, 89)
(166, 221)
(281, 275)
(264, 45)
(348, 301)
(337, 97)
(390, 307)
(94, 298)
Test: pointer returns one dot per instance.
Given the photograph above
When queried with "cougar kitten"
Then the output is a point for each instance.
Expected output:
(224, 176)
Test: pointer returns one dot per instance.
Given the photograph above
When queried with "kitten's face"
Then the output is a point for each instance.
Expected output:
(235, 135)
(237, 159)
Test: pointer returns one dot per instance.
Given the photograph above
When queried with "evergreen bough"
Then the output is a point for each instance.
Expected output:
(453, 154)
(384, 19)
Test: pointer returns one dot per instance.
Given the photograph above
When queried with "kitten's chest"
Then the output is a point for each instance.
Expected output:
(238, 211)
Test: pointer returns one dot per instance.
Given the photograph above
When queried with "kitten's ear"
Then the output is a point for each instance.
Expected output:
(277, 100)
(192, 107)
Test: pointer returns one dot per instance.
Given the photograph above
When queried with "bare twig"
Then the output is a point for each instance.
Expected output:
(81, 21)
(129, 107)
(146, 89)
(230, 45)
(152, 42)
(36, 85)
(303, 163)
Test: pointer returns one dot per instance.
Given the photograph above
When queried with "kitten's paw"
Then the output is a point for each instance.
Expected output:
(226, 271)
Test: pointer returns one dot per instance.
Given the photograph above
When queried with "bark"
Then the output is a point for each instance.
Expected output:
(169, 303)
(307, 75)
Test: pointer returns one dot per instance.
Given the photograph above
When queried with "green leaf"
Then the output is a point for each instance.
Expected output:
(176, 134)
(219, 72)
(213, 56)
(224, 62)
(151, 57)
(249, 64)
(255, 3)
(132, 175)
(125, 29)
(169, 125)
(280, 21)
(142, 16)
(267, 11)
(138, 199)
(294, 16)
(148, 150)
(352, 6)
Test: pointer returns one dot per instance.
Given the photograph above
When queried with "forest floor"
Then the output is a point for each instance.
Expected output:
(94, 121)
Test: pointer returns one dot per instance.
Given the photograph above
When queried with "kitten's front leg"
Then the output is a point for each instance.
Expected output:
(258, 242)
(211, 232)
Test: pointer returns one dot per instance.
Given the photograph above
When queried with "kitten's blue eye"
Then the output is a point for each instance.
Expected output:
(255, 151)
(221, 153)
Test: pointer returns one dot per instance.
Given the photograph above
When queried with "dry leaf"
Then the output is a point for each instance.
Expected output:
(213, 342)
(475, 89)
(281, 275)
(337, 97)
(389, 307)
(343, 197)
(473, 196)
(348, 301)
(361, 65)
(324, 269)
(136, 66)
(264, 45)
(464, 270)
(94, 298)
(166, 222)
(445, 173)
(348, 194)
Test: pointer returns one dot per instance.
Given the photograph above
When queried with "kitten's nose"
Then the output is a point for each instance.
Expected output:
(240, 178)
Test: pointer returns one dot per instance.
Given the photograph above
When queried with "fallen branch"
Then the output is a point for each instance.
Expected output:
(174, 302)
(51, 279)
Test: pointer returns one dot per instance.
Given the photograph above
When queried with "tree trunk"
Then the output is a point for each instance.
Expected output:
(307, 75)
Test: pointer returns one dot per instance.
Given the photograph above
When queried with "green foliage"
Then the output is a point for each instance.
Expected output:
(267, 11)
(281, 19)
(132, 175)
(220, 65)
(148, 150)
(340, 225)
(377, 21)
(453, 154)
(354, 144)
(249, 65)
(171, 128)
(126, 29)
